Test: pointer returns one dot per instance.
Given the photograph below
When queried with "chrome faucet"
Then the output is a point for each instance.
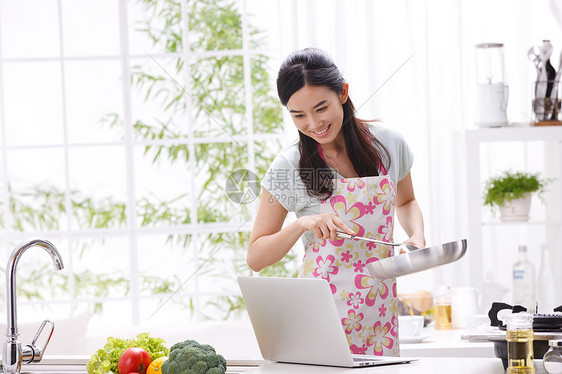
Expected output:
(13, 354)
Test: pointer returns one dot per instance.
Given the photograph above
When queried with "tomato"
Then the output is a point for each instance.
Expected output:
(133, 360)
(156, 366)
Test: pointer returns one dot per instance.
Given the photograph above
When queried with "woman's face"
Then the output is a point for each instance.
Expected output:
(317, 112)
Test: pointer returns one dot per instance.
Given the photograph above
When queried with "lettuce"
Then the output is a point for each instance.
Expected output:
(105, 359)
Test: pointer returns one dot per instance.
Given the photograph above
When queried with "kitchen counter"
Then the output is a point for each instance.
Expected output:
(423, 365)
(447, 343)
(465, 365)
(77, 365)
(236, 342)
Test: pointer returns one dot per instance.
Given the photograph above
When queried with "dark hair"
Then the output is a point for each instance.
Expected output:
(313, 67)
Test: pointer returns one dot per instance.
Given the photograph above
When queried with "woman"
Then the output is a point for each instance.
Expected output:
(343, 175)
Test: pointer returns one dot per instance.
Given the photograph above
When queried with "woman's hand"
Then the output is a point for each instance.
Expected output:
(418, 241)
(324, 226)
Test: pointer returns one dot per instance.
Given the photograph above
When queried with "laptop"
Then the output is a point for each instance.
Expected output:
(295, 320)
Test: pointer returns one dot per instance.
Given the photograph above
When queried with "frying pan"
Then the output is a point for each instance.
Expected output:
(418, 260)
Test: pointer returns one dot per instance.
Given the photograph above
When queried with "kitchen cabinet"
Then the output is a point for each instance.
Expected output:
(487, 254)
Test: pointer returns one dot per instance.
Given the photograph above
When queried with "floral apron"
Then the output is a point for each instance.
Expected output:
(367, 307)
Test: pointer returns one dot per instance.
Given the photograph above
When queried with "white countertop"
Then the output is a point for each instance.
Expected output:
(446, 343)
(464, 365)
(237, 343)
(423, 365)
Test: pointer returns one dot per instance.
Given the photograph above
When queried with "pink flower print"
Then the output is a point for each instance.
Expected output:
(346, 256)
(394, 293)
(355, 300)
(316, 244)
(386, 230)
(337, 243)
(325, 267)
(375, 287)
(382, 311)
(371, 246)
(359, 266)
(353, 183)
(386, 197)
(394, 328)
(370, 208)
(379, 338)
(348, 215)
(358, 350)
(353, 322)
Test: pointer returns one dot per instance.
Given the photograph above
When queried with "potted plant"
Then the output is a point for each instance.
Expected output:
(511, 193)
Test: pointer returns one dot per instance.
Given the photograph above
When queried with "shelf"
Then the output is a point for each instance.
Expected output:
(478, 224)
(519, 223)
(509, 134)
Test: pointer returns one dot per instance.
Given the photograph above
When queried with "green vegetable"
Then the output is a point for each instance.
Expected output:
(190, 357)
(105, 360)
(512, 185)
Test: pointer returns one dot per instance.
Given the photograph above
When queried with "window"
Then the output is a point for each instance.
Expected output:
(122, 124)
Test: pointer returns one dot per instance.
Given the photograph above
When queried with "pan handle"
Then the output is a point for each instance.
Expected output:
(347, 236)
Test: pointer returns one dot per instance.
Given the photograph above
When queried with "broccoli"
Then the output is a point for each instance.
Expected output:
(190, 357)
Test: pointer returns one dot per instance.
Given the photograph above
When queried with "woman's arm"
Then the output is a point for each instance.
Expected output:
(409, 213)
(270, 241)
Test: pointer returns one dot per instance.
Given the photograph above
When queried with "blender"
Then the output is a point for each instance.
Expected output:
(491, 90)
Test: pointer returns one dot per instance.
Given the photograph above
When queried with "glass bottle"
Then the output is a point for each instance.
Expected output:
(492, 291)
(545, 283)
(520, 338)
(552, 359)
(524, 281)
(442, 308)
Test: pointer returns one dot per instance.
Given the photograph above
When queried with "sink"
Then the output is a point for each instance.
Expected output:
(57, 364)
(54, 370)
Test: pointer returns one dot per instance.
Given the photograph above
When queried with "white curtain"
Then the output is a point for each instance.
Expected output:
(411, 64)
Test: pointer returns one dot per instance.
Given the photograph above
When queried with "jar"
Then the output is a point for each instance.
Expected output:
(519, 336)
(552, 359)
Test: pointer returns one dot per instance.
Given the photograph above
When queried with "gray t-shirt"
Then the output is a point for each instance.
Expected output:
(283, 181)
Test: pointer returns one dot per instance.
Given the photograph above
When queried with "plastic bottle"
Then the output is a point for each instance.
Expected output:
(545, 283)
(524, 281)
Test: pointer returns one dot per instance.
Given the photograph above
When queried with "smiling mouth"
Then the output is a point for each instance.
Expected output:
(323, 131)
